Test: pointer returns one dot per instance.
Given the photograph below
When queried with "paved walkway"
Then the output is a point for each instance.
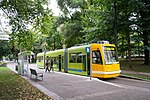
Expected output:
(12, 66)
(64, 86)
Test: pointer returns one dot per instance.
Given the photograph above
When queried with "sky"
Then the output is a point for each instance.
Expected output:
(54, 7)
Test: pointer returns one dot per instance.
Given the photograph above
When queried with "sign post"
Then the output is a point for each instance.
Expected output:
(89, 51)
(22, 64)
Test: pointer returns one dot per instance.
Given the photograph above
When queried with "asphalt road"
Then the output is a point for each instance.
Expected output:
(129, 82)
(74, 87)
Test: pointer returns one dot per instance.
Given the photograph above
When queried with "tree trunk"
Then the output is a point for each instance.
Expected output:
(146, 45)
(145, 26)
(129, 48)
(138, 45)
(122, 48)
(128, 34)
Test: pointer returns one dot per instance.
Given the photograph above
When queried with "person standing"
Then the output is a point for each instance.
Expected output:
(51, 67)
(47, 64)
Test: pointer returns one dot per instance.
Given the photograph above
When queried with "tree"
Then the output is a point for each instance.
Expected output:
(21, 14)
(72, 21)
(5, 48)
(132, 19)
(144, 16)
(25, 41)
(48, 37)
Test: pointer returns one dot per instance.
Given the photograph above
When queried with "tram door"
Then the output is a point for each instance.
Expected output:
(59, 63)
(84, 63)
(88, 63)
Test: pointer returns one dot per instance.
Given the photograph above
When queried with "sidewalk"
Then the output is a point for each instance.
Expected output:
(65, 86)
(12, 66)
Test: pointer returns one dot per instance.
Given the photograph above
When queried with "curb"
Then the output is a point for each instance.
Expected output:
(53, 95)
(132, 77)
(46, 91)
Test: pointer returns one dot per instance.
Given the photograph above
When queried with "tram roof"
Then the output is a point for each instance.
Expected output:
(26, 52)
(40, 54)
(78, 48)
(71, 49)
(60, 51)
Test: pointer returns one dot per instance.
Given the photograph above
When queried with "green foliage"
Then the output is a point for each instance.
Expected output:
(73, 34)
(25, 41)
(81, 21)
(21, 14)
(96, 18)
(72, 21)
(5, 48)
(67, 6)
(48, 38)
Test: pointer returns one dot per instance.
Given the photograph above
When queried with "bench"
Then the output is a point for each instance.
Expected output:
(33, 72)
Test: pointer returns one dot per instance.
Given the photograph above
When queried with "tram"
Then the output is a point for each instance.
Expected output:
(40, 60)
(96, 59)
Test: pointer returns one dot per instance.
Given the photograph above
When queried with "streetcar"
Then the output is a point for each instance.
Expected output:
(40, 60)
(95, 59)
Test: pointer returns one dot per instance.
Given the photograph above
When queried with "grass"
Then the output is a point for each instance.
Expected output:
(137, 76)
(14, 87)
(135, 66)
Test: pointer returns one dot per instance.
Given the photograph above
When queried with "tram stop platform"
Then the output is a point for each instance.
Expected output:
(65, 86)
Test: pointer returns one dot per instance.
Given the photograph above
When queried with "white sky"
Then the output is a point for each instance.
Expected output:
(54, 7)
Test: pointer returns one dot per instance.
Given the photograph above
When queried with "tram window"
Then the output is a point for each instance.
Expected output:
(54, 60)
(76, 57)
(72, 58)
(96, 57)
(109, 54)
(79, 59)
(39, 59)
(84, 63)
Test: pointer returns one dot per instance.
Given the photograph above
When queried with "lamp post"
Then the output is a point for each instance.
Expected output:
(44, 54)
(115, 28)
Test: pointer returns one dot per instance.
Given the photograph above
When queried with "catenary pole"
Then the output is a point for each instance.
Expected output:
(115, 28)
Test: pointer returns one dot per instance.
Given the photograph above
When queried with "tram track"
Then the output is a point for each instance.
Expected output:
(129, 82)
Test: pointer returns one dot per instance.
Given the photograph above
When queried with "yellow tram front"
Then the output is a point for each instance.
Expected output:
(104, 61)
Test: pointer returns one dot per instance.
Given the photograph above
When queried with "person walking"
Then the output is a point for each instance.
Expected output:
(51, 67)
(47, 64)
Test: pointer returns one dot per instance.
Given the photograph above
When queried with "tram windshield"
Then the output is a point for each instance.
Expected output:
(110, 54)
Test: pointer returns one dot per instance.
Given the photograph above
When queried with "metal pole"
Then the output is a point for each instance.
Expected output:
(44, 57)
(90, 63)
(115, 28)
(27, 66)
(22, 64)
